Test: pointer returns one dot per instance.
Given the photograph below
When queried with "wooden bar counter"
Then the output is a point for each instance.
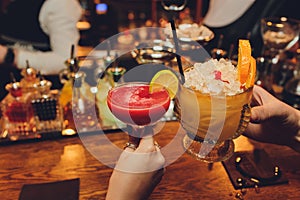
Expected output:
(185, 178)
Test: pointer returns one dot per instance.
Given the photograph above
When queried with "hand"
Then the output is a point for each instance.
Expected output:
(137, 172)
(273, 121)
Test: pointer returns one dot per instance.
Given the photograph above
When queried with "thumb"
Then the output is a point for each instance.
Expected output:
(259, 114)
(146, 145)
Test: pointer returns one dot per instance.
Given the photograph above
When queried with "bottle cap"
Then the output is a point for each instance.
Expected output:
(14, 89)
(43, 86)
(28, 72)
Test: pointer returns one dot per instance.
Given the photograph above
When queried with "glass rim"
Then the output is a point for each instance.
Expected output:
(211, 94)
(280, 19)
(134, 107)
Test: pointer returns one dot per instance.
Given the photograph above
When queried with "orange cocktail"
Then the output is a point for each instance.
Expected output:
(222, 117)
(213, 105)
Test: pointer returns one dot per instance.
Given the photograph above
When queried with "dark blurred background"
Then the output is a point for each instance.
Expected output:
(109, 17)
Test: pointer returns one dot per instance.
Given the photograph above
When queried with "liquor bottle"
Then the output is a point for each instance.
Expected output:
(67, 77)
(107, 118)
(18, 113)
(47, 110)
(81, 114)
(114, 74)
(29, 79)
(112, 77)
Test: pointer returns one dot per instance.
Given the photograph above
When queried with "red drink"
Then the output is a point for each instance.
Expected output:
(133, 104)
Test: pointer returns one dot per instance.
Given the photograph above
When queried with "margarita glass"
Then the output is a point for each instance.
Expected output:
(133, 104)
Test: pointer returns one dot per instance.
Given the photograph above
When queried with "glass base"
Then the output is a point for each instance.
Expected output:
(208, 152)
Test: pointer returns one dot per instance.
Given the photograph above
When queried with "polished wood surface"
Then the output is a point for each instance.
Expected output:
(185, 178)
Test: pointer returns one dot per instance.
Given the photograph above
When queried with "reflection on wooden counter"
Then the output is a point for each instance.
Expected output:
(185, 177)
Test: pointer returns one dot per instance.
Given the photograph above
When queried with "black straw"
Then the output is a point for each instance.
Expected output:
(27, 64)
(12, 77)
(178, 57)
(220, 41)
(72, 51)
(108, 48)
(230, 51)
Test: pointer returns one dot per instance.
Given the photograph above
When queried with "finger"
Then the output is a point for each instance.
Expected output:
(134, 140)
(157, 146)
(129, 149)
(140, 162)
(254, 131)
(146, 145)
(258, 114)
(260, 96)
(256, 100)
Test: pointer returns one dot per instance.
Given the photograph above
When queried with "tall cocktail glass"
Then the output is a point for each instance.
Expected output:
(133, 104)
(211, 121)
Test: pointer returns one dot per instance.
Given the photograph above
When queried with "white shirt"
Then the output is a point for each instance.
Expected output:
(58, 20)
(223, 12)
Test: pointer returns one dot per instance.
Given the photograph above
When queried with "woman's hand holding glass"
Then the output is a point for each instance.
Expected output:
(273, 121)
(138, 171)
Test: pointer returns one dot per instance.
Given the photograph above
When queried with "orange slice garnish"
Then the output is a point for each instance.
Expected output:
(252, 74)
(244, 60)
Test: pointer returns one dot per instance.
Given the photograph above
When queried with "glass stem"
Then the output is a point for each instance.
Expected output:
(134, 134)
(137, 131)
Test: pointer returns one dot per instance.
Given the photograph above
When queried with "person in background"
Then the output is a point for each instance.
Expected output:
(237, 19)
(40, 31)
(272, 121)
